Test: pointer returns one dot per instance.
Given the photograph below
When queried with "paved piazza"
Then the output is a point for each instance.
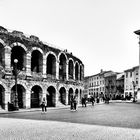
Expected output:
(120, 123)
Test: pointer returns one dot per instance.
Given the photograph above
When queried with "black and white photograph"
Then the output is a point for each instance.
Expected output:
(69, 70)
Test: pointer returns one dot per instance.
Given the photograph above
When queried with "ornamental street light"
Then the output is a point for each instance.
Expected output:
(16, 94)
(134, 86)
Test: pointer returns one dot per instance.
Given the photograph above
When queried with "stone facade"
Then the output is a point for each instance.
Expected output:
(43, 71)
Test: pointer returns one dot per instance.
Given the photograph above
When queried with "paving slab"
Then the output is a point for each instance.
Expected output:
(21, 129)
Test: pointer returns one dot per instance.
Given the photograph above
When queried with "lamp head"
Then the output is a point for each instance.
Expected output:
(16, 61)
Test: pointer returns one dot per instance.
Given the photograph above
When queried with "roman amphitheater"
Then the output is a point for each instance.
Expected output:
(42, 70)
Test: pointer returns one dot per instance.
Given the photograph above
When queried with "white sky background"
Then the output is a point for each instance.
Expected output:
(99, 32)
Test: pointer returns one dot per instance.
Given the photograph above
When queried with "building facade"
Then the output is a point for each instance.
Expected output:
(42, 71)
(110, 84)
(120, 86)
(96, 84)
(131, 81)
(105, 84)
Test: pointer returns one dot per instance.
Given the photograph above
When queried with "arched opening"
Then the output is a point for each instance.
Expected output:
(71, 69)
(36, 61)
(76, 92)
(18, 53)
(1, 54)
(51, 96)
(2, 91)
(51, 65)
(20, 95)
(36, 93)
(62, 67)
(80, 94)
(62, 97)
(80, 72)
(76, 71)
(70, 94)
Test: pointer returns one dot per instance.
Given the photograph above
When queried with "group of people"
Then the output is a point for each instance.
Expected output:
(73, 103)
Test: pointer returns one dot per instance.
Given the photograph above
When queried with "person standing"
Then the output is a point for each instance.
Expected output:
(71, 102)
(75, 102)
(44, 105)
(92, 100)
(83, 101)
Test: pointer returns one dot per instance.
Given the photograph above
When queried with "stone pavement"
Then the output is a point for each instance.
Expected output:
(59, 107)
(21, 129)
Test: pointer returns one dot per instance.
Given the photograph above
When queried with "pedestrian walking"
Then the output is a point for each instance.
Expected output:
(92, 100)
(98, 99)
(71, 102)
(75, 101)
(44, 105)
(83, 101)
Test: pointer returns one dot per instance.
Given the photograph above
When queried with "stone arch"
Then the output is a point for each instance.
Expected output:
(51, 63)
(62, 95)
(51, 96)
(21, 95)
(76, 92)
(60, 55)
(62, 65)
(2, 42)
(36, 48)
(19, 44)
(2, 96)
(37, 60)
(50, 52)
(36, 96)
(76, 70)
(2, 53)
(18, 52)
(70, 68)
(20, 83)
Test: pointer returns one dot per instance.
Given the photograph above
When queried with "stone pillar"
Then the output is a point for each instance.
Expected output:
(44, 66)
(78, 73)
(74, 72)
(28, 64)
(28, 99)
(67, 74)
(78, 96)
(7, 99)
(57, 69)
(7, 58)
(67, 94)
(57, 96)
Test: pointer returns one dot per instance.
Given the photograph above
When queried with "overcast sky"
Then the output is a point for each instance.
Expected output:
(99, 32)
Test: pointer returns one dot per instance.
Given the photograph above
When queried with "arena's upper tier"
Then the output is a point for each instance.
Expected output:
(35, 56)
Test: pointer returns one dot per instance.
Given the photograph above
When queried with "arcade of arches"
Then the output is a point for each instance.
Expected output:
(33, 98)
(43, 71)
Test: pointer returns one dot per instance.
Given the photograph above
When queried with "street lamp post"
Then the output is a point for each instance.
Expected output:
(16, 94)
(134, 85)
(138, 92)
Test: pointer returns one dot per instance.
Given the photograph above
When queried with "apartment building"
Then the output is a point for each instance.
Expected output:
(131, 81)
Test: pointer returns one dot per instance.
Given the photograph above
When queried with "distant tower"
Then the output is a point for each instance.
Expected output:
(138, 93)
